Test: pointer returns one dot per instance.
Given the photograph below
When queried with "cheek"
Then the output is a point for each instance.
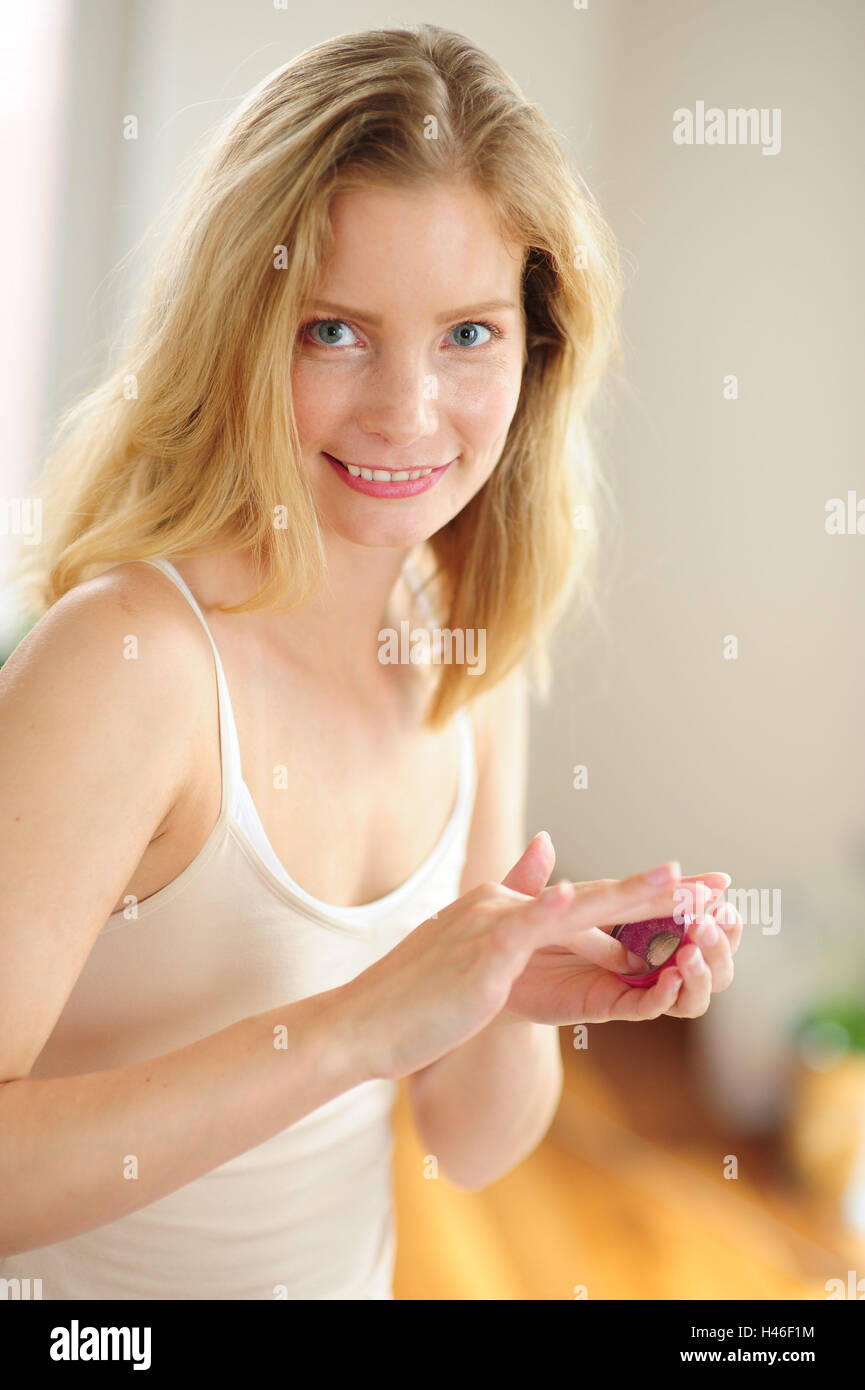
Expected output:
(316, 403)
(483, 410)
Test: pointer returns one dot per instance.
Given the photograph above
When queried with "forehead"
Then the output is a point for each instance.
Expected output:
(434, 242)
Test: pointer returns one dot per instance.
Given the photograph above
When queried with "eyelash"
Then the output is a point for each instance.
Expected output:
(479, 323)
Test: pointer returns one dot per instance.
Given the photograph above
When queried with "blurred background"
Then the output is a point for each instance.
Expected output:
(716, 710)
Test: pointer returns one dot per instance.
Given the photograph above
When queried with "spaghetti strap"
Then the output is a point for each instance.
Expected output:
(229, 745)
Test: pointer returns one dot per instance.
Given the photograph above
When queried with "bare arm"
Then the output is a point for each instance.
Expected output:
(486, 1105)
(65, 1142)
(95, 751)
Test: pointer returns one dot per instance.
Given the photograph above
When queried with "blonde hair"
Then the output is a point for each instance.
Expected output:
(190, 445)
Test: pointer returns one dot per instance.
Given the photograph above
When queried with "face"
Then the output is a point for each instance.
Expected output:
(415, 362)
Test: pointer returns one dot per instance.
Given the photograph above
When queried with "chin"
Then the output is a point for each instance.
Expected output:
(382, 534)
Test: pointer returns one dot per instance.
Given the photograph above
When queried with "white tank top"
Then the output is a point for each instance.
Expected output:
(309, 1213)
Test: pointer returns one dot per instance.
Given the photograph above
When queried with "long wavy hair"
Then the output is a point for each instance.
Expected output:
(190, 444)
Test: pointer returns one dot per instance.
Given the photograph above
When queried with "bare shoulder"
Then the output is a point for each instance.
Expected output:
(137, 590)
(131, 611)
(121, 655)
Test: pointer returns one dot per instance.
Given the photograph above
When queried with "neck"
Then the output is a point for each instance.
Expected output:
(336, 629)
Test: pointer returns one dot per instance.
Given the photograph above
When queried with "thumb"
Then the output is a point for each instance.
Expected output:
(533, 868)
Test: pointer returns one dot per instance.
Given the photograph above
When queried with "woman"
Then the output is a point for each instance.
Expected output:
(225, 934)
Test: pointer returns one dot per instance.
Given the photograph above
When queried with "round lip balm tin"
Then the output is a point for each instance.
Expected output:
(656, 940)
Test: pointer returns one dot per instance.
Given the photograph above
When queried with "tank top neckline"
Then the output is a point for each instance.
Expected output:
(239, 816)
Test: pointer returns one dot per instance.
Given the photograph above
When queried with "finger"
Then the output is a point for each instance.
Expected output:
(716, 881)
(730, 922)
(599, 948)
(695, 895)
(609, 999)
(534, 866)
(560, 913)
(696, 992)
(713, 942)
(692, 895)
(638, 1005)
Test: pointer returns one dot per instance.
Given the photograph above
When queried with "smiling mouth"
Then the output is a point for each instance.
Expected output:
(385, 475)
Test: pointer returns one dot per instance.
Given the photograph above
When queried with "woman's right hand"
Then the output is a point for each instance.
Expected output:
(453, 974)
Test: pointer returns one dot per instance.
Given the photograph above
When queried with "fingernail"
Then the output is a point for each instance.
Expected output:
(665, 873)
(544, 835)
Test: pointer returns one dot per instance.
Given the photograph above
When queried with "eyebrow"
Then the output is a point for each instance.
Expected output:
(342, 311)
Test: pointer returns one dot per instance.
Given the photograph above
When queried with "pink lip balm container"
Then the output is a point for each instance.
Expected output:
(656, 941)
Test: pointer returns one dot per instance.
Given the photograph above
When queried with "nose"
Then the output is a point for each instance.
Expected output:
(400, 400)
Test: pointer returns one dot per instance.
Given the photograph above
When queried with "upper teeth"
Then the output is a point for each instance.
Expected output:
(380, 475)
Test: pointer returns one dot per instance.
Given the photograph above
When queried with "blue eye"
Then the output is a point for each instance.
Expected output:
(472, 328)
(329, 324)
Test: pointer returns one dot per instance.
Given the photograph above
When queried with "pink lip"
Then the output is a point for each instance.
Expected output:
(407, 488)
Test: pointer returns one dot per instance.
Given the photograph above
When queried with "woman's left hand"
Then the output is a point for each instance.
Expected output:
(559, 986)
